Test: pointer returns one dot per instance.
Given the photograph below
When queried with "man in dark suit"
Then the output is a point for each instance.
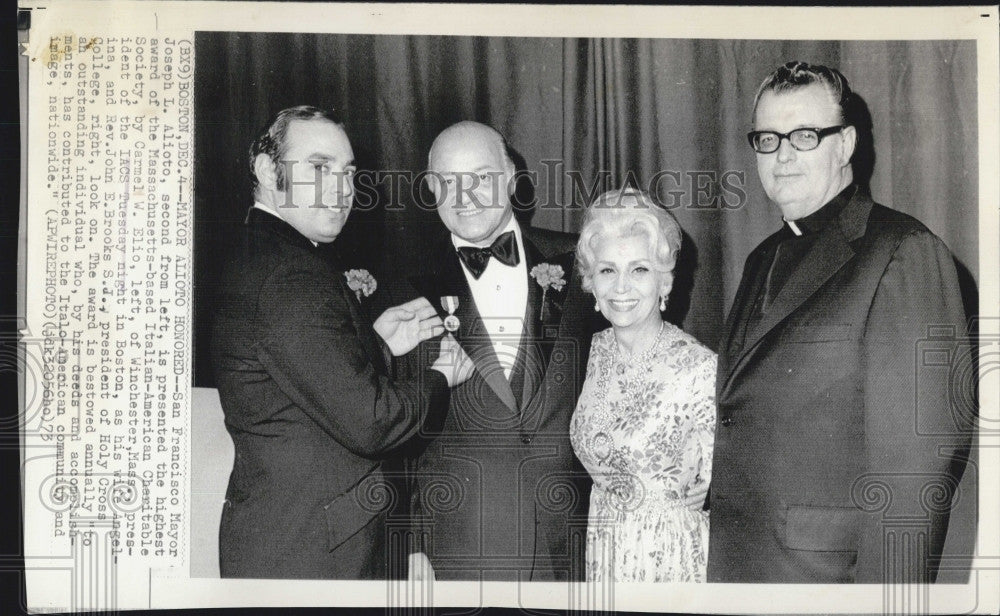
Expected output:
(833, 453)
(498, 491)
(302, 374)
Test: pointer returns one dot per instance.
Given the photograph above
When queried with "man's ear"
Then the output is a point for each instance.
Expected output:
(509, 171)
(433, 181)
(263, 168)
(849, 140)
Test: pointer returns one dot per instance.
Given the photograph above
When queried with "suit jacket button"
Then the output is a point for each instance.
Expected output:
(727, 421)
(525, 439)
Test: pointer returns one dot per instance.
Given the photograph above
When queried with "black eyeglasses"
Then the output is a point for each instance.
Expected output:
(802, 139)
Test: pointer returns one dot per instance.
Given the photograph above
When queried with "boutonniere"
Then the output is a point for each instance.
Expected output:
(548, 276)
(361, 282)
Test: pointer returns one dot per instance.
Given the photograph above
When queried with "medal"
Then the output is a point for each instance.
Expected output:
(450, 303)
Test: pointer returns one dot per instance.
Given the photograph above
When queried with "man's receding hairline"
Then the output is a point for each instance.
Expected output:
(283, 145)
(472, 131)
(303, 121)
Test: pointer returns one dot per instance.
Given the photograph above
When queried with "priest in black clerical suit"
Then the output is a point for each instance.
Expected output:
(836, 436)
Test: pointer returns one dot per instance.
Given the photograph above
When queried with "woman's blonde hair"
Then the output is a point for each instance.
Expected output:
(623, 213)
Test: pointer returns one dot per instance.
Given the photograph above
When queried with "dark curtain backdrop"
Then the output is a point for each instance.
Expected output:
(585, 115)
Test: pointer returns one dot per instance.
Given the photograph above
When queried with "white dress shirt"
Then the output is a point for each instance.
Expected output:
(501, 296)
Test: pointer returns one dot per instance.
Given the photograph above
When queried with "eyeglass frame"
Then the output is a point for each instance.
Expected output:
(821, 134)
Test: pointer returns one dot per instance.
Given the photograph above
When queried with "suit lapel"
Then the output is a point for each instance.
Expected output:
(531, 355)
(736, 321)
(750, 289)
(831, 251)
(740, 315)
(540, 334)
(449, 279)
(554, 300)
(376, 353)
(328, 254)
(823, 260)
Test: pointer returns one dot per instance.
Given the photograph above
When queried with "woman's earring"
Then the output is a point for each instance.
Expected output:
(597, 305)
(663, 303)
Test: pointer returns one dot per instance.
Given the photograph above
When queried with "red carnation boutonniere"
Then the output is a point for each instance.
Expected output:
(548, 276)
(361, 282)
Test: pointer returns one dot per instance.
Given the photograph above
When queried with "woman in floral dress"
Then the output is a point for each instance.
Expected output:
(645, 422)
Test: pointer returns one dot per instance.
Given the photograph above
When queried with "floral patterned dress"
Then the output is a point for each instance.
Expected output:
(644, 428)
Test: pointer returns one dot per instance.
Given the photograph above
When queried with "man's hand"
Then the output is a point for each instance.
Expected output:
(405, 326)
(453, 362)
(695, 499)
(420, 568)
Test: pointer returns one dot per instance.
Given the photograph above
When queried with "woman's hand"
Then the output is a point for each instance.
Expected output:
(695, 497)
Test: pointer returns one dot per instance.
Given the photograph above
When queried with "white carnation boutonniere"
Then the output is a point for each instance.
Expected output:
(548, 276)
(361, 282)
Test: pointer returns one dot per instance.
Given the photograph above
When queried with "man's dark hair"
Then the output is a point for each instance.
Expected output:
(793, 75)
(273, 140)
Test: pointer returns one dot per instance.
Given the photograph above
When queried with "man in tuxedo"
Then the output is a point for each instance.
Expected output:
(301, 372)
(835, 436)
(498, 490)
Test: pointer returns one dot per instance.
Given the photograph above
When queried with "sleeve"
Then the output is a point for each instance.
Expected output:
(312, 349)
(910, 430)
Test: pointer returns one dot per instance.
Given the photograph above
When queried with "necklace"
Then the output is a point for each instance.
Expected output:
(623, 359)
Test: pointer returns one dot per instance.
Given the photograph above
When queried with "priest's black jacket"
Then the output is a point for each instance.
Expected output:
(840, 421)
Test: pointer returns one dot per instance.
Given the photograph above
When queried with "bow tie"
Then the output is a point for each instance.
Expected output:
(504, 248)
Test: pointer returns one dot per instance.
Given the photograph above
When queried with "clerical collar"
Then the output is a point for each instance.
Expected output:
(511, 226)
(821, 218)
(257, 205)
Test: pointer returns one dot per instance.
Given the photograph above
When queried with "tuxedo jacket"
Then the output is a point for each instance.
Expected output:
(497, 492)
(302, 380)
(836, 425)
